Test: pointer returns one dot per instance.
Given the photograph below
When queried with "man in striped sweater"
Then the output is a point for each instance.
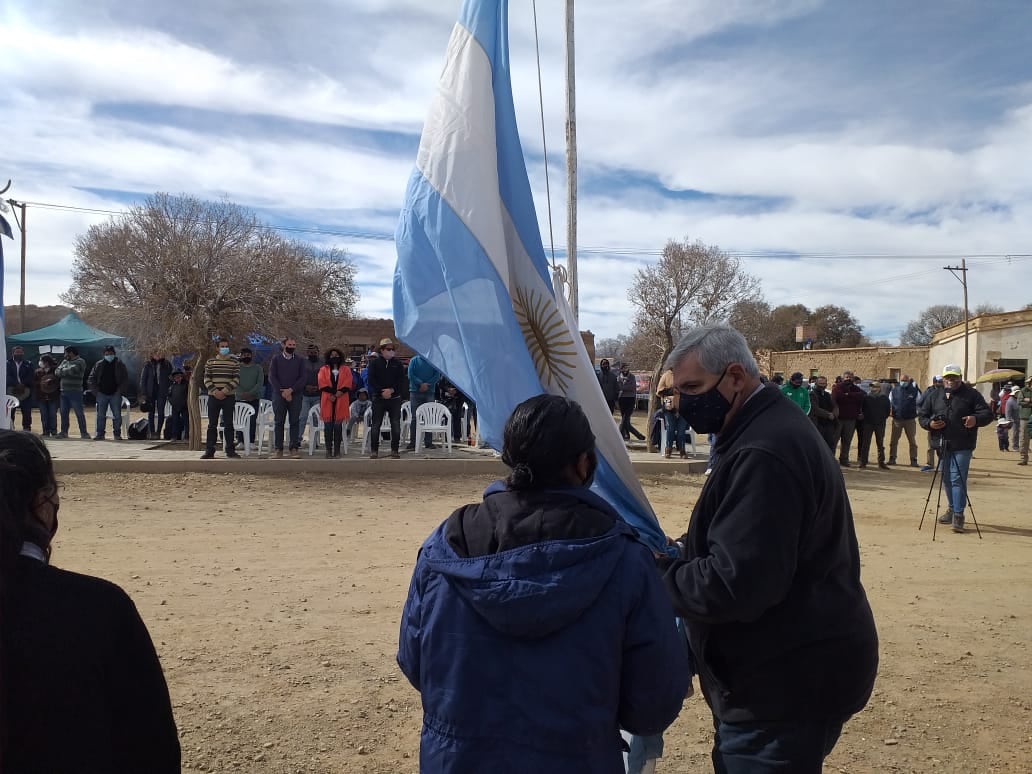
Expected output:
(221, 377)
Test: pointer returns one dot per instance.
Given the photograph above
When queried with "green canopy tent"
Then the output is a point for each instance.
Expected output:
(69, 330)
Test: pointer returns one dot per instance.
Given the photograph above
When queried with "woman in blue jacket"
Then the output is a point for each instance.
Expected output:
(536, 626)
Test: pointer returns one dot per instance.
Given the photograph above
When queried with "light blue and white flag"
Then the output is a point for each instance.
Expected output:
(472, 292)
(5, 231)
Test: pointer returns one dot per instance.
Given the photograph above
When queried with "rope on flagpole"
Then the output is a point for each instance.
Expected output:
(544, 143)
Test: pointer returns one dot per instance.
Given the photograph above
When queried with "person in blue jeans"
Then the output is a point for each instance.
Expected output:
(952, 417)
(423, 379)
(108, 381)
(71, 371)
(676, 427)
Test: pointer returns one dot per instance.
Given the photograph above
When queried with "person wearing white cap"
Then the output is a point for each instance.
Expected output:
(952, 417)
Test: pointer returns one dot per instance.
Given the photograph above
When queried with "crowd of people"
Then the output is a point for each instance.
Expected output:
(344, 390)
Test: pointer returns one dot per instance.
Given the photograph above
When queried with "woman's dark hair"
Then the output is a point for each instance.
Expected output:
(544, 435)
(25, 470)
(72, 350)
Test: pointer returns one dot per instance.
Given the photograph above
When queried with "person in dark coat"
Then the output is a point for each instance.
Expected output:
(178, 425)
(952, 416)
(153, 392)
(386, 380)
(768, 580)
(536, 625)
(850, 401)
(610, 387)
(876, 410)
(20, 384)
(83, 689)
(824, 412)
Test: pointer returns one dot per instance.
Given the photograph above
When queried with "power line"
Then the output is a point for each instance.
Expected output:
(785, 255)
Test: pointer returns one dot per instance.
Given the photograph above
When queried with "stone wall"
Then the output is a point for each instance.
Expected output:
(865, 362)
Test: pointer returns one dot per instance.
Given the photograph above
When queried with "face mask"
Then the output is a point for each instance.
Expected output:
(16, 358)
(818, 388)
(313, 358)
(387, 354)
(109, 358)
(334, 361)
(289, 350)
(223, 351)
(605, 368)
(706, 412)
(245, 359)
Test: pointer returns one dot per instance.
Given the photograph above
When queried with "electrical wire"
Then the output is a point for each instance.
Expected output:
(982, 259)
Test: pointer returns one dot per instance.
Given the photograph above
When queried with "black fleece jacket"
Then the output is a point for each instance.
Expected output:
(769, 583)
(954, 405)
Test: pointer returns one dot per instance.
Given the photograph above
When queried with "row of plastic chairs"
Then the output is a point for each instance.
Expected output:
(431, 418)
(11, 403)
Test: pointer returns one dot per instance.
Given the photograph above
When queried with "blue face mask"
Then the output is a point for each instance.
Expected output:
(223, 351)
(109, 358)
(706, 412)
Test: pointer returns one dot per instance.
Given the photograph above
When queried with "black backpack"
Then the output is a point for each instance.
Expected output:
(138, 430)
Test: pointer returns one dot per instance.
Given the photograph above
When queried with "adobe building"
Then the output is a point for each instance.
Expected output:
(994, 341)
(866, 362)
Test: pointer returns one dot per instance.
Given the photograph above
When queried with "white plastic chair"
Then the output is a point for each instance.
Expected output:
(433, 418)
(202, 400)
(689, 435)
(367, 438)
(242, 414)
(315, 427)
(266, 424)
(10, 404)
(406, 420)
(469, 429)
(125, 413)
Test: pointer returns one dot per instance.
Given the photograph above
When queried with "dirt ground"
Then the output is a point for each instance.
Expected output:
(274, 604)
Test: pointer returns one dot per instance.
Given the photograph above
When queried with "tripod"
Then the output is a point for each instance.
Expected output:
(946, 459)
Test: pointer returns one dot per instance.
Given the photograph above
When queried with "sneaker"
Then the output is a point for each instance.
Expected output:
(97, 437)
(947, 517)
(926, 468)
(277, 454)
(233, 455)
(85, 436)
(61, 435)
(844, 463)
(208, 455)
(374, 455)
(118, 437)
(958, 522)
(667, 453)
(883, 466)
(295, 454)
(395, 455)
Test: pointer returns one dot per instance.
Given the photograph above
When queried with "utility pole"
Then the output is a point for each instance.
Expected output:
(571, 167)
(962, 278)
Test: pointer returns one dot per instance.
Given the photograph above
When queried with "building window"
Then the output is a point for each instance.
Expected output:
(814, 373)
(894, 374)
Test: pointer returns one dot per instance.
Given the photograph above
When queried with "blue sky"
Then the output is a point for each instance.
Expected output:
(798, 126)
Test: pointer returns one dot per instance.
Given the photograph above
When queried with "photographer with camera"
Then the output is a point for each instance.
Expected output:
(952, 417)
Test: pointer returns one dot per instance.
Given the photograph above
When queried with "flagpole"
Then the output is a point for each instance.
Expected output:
(571, 167)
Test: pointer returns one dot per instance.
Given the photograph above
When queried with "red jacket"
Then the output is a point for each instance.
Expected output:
(329, 409)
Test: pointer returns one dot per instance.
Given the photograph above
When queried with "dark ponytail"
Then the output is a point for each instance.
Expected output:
(543, 437)
(25, 470)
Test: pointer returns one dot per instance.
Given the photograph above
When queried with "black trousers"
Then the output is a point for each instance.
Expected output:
(391, 407)
(626, 410)
(866, 431)
(225, 407)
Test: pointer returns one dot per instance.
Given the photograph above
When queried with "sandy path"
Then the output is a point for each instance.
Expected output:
(274, 603)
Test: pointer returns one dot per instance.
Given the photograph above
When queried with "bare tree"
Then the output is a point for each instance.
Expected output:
(176, 272)
(988, 308)
(930, 321)
(691, 284)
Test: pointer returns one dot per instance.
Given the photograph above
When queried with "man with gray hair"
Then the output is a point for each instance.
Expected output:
(768, 577)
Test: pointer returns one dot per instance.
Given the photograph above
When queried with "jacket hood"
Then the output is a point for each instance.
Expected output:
(532, 590)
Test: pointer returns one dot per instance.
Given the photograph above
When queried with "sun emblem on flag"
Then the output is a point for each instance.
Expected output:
(548, 338)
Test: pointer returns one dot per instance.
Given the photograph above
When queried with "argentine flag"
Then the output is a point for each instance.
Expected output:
(472, 292)
(5, 231)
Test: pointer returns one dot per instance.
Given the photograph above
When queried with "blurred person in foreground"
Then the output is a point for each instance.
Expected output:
(768, 581)
(83, 689)
(536, 625)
